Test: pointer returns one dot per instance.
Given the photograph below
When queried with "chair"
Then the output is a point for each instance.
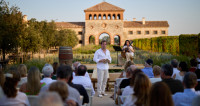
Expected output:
(33, 99)
(89, 92)
(118, 81)
(122, 98)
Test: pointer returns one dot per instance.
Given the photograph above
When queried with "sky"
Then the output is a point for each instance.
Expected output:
(183, 16)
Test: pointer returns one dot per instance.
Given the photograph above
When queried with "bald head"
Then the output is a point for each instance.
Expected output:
(133, 67)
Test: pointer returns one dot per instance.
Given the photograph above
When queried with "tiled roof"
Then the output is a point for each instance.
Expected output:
(70, 24)
(128, 24)
(104, 6)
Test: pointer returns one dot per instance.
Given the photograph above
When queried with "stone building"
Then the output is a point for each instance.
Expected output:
(107, 18)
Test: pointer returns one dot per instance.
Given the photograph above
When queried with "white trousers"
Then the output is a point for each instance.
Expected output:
(102, 77)
(128, 58)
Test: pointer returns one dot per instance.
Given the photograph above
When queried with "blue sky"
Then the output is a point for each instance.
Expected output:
(183, 16)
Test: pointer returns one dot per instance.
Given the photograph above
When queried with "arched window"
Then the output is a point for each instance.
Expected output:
(114, 17)
(117, 40)
(99, 16)
(104, 36)
(91, 39)
(90, 17)
(109, 17)
(118, 17)
(95, 16)
(104, 17)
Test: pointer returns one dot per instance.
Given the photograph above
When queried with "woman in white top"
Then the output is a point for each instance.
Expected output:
(129, 52)
(12, 96)
(142, 87)
(183, 69)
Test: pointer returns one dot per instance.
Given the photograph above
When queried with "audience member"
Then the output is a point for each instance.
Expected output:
(185, 98)
(129, 89)
(2, 78)
(198, 61)
(126, 82)
(193, 64)
(48, 73)
(80, 89)
(183, 69)
(13, 97)
(33, 85)
(174, 85)
(75, 66)
(64, 73)
(23, 72)
(123, 73)
(160, 95)
(61, 88)
(55, 66)
(174, 64)
(140, 96)
(1, 68)
(81, 79)
(49, 99)
(148, 68)
(156, 73)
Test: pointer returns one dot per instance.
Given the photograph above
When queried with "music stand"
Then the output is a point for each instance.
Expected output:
(117, 48)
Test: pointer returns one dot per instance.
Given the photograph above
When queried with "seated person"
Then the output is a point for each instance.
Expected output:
(12, 96)
(156, 73)
(166, 74)
(148, 68)
(47, 72)
(33, 85)
(128, 54)
(61, 88)
(75, 66)
(130, 89)
(23, 72)
(183, 69)
(64, 73)
(193, 64)
(49, 99)
(80, 89)
(81, 79)
(127, 64)
(126, 82)
(140, 96)
(185, 98)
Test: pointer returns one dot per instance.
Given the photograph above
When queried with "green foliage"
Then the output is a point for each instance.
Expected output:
(11, 27)
(189, 44)
(168, 44)
(66, 37)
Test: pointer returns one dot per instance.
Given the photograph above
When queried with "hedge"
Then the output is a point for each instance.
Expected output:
(167, 44)
(188, 45)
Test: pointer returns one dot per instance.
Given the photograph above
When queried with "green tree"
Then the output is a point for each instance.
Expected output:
(31, 40)
(48, 33)
(11, 27)
(66, 37)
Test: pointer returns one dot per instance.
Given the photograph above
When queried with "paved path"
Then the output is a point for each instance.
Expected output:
(104, 101)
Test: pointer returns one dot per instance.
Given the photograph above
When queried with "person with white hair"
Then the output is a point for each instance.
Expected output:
(75, 66)
(47, 72)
